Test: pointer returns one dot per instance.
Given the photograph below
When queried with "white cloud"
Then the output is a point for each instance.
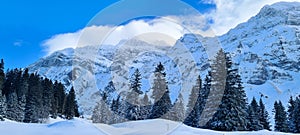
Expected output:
(230, 13)
(165, 30)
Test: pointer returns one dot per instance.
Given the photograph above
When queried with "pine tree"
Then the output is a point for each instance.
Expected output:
(59, 96)
(146, 107)
(217, 85)
(264, 116)
(253, 116)
(70, 105)
(47, 87)
(34, 104)
(161, 94)
(101, 112)
(297, 115)
(232, 104)
(291, 115)
(2, 97)
(21, 108)
(203, 100)
(177, 112)
(12, 106)
(280, 117)
(133, 108)
(193, 106)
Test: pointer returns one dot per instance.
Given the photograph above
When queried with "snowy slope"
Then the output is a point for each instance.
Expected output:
(265, 49)
(83, 127)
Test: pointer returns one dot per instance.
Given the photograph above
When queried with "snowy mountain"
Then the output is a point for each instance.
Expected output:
(265, 49)
(81, 127)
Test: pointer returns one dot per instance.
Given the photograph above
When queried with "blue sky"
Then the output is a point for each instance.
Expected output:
(26, 24)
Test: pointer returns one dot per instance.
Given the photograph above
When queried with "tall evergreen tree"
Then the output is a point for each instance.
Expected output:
(177, 112)
(281, 124)
(70, 104)
(253, 116)
(12, 106)
(2, 97)
(34, 104)
(101, 112)
(193, 106)
(146, 107)
(232, 104)
(291, 115)
(47, 87)
(59, 96)
(161, 94)
(217, 85)
(264, 116)
(203, 99)
(133, 108)
(297, 115)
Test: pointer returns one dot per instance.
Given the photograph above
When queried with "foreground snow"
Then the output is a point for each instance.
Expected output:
(83, 127)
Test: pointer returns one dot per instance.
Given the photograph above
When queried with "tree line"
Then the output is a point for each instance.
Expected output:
(218, 103)
(29, 98)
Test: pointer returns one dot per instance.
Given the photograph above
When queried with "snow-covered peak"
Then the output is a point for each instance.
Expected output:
(286, 6)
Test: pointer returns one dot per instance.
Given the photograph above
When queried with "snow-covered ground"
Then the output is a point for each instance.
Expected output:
(83, 127)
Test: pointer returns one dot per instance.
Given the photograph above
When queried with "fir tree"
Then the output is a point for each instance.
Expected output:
(291, 115)
(177, 113)
(232, 104)
(280, 117)
(34, 104)
(101, 112)
(47, 87)
(146, 107)
(264, 116)
(162, 101)
(133, 108)
(70, 104)
(21, 108)
(217, 85)
(253, 116)
(193, 107)
(12, 106)
(2, 97)
(297, 115)
(203, 100)
(59, 96)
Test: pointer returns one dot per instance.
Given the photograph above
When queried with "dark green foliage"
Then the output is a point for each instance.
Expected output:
(193, 107)
(70, 108)
(161, 94)
(280, 117)
(294, 115)
(264, 116)
(253, 116)
(2, 97)
(232, 104)
(30, 98)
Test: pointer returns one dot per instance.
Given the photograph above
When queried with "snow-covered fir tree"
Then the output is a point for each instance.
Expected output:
(2, 97)
(193, 106)
(101, 112)
(146, 107)
(177, 112)
(133, 107)
(264, 116)
(161, 93)
(254, 123)
(280, 117)
(294, 115)
(233, 102)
